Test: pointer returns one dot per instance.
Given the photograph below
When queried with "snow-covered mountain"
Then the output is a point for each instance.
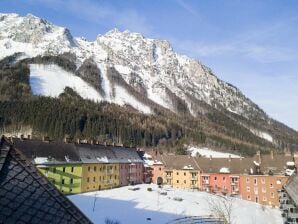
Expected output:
(122, 68)
(145, 64)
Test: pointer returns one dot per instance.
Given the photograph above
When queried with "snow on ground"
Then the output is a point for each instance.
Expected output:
(209, 152)
(123, 97)
(135, 207)
(50, 80)
(262, 134)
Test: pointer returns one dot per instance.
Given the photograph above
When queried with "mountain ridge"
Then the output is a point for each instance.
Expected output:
(128, 69)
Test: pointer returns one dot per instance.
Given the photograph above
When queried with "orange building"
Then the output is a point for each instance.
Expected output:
(262, 188)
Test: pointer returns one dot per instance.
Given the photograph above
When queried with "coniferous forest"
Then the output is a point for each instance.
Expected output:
(71, 116)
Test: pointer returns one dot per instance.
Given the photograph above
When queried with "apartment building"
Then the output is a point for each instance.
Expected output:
(180, 171)
(57, 161)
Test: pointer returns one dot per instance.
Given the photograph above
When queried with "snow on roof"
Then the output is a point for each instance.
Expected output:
(256, 163)
(147, 156)
(103, 159)
(224, 170)
(290, 163)
(188, 167)
(40, 160)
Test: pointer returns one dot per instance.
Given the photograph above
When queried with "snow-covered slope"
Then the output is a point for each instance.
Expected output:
(147, 64)
(51, 80)
(205, 152)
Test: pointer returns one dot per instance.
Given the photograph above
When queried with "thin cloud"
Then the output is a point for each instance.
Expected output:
(99, 13)
(187, 7)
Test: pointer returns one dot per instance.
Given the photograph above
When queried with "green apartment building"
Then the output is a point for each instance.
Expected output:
(56, 160)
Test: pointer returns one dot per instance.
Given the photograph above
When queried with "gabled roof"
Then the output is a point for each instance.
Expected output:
(178, 162)
(234, 165)
(291, 188)
(27, 196)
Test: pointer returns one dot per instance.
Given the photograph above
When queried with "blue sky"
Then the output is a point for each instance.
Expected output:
(251, 44)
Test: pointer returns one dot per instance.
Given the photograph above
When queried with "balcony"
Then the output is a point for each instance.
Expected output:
(109, 172)
(194, 178)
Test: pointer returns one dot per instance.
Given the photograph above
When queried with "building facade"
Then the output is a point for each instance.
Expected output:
(187, 178)
(99, 176)
(262, 189)
(66, 177)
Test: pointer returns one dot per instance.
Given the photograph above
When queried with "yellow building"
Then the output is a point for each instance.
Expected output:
(180, 171)
(66, 177)
(98, 176)
(187, 178)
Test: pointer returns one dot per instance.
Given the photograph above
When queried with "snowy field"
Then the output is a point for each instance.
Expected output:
(142, 206)
(209, 152)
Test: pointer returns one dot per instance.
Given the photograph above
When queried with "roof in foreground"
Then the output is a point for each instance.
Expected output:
(27, 196)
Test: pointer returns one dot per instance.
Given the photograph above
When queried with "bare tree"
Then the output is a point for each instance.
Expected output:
(221, 207)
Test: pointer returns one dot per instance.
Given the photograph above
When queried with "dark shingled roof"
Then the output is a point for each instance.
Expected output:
(54, 151)
(291, 188)
(26, 196)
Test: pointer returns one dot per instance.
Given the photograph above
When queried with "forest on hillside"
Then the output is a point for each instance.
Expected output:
(73, 117)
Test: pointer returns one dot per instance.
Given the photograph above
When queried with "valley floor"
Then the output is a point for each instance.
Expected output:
(142, 206)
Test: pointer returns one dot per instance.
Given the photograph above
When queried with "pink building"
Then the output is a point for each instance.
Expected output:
(225, 183)
(157, 173)
(131, 173)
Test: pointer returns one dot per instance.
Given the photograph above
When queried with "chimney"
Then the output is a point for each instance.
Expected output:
(29, 137)
(78, 140)
(92, 142)
(272, 154)
(22, 137)
(105, 143)
(230, 158)
(259, 156)
(210, 157)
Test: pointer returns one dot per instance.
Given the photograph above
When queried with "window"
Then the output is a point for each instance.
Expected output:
(94, 168)
(159, 168)
(255, 181)
(263, 180)
(272, 195)
(177, 181)
(63, 181)
(247, 180)
(248, 189)
(224, 179)
(115, 177)
(264, 198)
(271, 185)
(177, 173)
(93, 179)
(264, 189)
(63, 169)
(185, 181)
(88, 179)
(72, 169)
(70, 190)
(248, 197)
(89, 168)
(184, 174)
(71, 180)
(215, 178)
(54, 170)
(99, 178)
